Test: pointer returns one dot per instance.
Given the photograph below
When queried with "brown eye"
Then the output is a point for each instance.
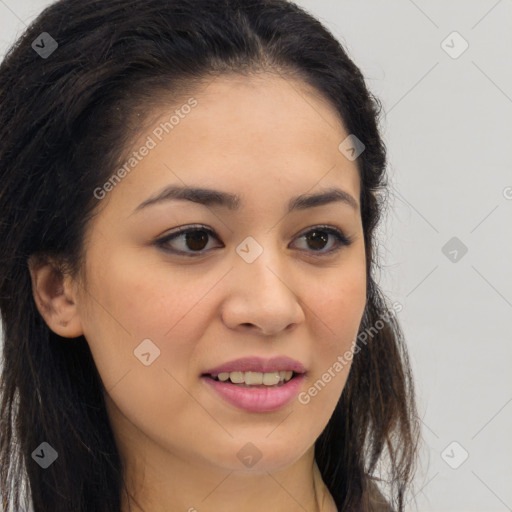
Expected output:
(189, 241)
(318, 238)
(196, 240)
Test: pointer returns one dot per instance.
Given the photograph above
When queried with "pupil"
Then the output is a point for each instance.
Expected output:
(316, 237)
(196, 240)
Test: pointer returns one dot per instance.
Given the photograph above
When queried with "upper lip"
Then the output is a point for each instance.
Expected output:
(258, 364)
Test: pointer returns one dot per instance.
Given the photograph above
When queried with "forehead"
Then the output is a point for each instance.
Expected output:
(260, 131)
(268, 108)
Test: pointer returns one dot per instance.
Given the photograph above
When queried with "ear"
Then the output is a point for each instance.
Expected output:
(55, 297)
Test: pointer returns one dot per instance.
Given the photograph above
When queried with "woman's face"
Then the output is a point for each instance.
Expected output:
(259, 280)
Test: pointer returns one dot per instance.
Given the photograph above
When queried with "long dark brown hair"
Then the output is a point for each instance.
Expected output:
(65, 121)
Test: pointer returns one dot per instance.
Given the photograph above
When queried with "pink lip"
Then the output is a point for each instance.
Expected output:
(258, 364)
(257, 399)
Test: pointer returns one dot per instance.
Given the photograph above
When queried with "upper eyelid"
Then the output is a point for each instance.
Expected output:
(199, 227)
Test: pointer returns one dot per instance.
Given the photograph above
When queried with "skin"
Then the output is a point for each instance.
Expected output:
(266, 139)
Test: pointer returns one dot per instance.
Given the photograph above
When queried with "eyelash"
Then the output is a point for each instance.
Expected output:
(342, 239)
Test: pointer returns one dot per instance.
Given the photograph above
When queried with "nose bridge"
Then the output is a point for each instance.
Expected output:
(261, 265)
(262, 292)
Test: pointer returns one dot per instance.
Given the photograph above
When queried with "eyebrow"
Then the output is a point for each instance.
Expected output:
(210, 197)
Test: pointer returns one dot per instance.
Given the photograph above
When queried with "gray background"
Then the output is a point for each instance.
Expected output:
(448, 129)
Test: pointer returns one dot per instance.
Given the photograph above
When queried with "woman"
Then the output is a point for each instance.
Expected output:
(189, 197)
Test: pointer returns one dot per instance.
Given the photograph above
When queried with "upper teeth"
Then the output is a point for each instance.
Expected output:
(256, 378)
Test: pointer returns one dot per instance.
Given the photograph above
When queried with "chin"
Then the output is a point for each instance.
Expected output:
(259, 457)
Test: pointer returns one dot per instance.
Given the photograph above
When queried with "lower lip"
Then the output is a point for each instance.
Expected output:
(257, 399)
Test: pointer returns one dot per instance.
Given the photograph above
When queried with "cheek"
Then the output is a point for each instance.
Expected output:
(130, 308)
(339, 309)
(129, 303)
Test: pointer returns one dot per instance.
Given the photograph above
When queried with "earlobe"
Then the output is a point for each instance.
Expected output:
(54, 297)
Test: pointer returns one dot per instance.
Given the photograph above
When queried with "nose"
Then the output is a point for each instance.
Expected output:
(260, 297)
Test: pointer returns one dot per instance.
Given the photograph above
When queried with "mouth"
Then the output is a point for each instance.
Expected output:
(254, 379)
(255, 384)
(248, 391)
